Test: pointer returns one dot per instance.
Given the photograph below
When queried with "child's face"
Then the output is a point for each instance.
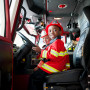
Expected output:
(54, 31)
(46, 40)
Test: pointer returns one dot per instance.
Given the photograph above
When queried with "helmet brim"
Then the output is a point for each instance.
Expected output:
(44, 36)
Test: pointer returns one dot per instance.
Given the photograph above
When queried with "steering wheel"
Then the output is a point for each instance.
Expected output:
(21, 53)
(26, 39)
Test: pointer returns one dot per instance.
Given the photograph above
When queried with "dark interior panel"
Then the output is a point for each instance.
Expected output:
(5, 65)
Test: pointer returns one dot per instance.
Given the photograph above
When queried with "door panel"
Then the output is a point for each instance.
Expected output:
(6, 54)
(5, 65)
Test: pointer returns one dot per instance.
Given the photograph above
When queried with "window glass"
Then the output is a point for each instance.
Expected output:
(2, 18)
(18, 40)
(13, 8)
(10, 1)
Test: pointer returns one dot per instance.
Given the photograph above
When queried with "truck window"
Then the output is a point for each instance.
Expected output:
(18, 40)
(2, 18)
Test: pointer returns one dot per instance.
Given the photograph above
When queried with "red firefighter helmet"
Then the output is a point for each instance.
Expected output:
(56, 23)
(43, 33)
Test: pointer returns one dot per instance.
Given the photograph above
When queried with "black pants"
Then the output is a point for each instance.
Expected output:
(37, 79)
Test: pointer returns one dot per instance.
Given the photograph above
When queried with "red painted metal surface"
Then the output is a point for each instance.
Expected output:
(8, 33)
(5, 39)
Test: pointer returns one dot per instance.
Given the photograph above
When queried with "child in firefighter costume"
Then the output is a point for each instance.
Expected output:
(46, 41)
(55, 57)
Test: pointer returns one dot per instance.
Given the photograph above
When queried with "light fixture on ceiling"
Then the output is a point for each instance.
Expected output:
(57, 18)
(62, 6)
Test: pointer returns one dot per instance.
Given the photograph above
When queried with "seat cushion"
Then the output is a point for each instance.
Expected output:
(68, 76)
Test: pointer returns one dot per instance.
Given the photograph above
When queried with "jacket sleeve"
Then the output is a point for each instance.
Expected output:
(55, 52)
(39, 57)
(40, 63)
(67, 62)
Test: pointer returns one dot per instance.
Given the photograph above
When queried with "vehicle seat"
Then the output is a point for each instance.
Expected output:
(75, 76)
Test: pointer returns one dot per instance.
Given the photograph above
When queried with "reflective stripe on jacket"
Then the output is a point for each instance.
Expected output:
(58, 57)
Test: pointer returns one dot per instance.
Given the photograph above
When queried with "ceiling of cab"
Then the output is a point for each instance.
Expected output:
(67, 13)
(50, 7)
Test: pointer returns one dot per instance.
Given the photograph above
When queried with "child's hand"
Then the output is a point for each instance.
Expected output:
(35, 69)
(74, 42)
(37, 49)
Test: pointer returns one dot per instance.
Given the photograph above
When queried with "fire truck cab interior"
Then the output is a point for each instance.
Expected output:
(31, 17)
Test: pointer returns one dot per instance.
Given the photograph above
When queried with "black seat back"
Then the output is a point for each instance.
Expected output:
(84, 29)
(86, 54)
(87, 40)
